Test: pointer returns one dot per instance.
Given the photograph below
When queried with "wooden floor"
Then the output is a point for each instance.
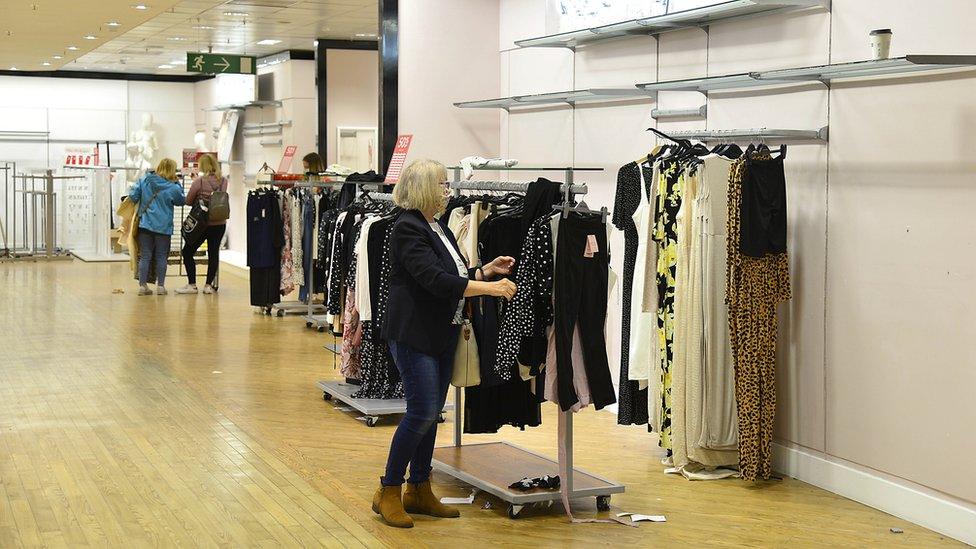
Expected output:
(191, 421)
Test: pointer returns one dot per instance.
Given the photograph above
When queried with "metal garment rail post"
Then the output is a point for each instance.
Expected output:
(49, 208)
(9, 170)
(312, 320)
(493, 466)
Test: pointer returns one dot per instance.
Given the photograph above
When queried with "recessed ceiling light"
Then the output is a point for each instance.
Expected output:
(268, 42)
(235, 14)
(365, 35)
(45, 64)
(164, 67)
(113, 24)
(176, 39)
(72, 48)
(203, 27)
(14, 69)
(140, 7)
(56, 56)
(91, 37)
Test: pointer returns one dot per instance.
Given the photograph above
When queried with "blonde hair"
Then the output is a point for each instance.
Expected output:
(419, 187)
(167, 169)
(210, 166)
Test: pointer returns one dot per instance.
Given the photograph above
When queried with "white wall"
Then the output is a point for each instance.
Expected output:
(85, 111)
(445, 57)
(352, 94)
(294, 86)
(875, 368)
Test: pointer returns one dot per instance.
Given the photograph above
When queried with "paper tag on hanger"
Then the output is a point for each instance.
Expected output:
(591, 246)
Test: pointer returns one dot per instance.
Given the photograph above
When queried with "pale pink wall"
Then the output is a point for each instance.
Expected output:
(448, 53)
(875, 364)
(352, 93)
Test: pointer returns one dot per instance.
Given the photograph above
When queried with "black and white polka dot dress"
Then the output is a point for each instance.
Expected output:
(530, 311)
(632, 400)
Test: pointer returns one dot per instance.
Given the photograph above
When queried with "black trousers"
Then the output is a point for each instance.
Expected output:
(763, 211)
(213, 235)
(580, 292)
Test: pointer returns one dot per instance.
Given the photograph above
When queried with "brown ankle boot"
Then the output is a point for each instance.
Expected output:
(386, 503)
(419, 499)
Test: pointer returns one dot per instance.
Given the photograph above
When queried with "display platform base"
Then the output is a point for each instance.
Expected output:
(295, 308)
(94, 257)
(372, 408)
(318, 322)
(493, 466)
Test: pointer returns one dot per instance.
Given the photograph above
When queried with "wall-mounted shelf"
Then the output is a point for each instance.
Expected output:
(281, 124)
(695, 17)
(861, 69)
(755, 133)
(568, 97)
(820, 73)
(242, 106)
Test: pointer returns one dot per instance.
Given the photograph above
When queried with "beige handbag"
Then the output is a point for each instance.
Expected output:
(467, 370)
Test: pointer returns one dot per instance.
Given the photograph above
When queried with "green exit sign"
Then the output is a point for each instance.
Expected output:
(219, 63)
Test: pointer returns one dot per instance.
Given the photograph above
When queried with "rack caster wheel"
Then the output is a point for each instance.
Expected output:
(279, 313)
(603, 503)
(371, 421)
(326, 396)
(514, 511)
(267, 312)
(308, 324)
(441, 418)
(320, 329)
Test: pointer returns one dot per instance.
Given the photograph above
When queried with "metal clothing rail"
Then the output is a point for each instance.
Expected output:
(320, 321)
(49, 208)
(478, 464)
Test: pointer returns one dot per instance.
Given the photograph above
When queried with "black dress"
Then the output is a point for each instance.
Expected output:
(632, 407)
(498, 401)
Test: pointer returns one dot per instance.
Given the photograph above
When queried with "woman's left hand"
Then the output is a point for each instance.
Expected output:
(500, 266)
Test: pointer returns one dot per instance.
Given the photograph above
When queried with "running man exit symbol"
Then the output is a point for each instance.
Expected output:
(219, 63)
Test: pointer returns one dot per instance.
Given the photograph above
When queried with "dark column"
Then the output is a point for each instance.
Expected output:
(389, 44)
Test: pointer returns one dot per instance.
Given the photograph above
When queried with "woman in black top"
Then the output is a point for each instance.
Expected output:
(428, 284)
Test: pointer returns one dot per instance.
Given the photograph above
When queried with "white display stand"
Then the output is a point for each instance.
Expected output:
(86, 213)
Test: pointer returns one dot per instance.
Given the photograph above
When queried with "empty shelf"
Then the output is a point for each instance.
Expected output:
(695, 17)
(571, 97)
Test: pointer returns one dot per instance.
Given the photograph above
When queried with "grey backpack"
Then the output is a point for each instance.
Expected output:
(219, 207)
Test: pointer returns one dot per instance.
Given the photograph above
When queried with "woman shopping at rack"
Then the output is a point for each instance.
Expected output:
(204, 186)
(428, 284)
(156, 194)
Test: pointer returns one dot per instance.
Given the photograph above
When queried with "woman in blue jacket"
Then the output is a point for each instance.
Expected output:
(428, 284)
(156, 194)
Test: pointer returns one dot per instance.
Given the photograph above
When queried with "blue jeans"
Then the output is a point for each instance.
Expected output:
(425, 383)
(153, 247)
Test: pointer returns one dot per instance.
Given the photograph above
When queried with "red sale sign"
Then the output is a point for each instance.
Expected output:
(398, 159)
(285, 165)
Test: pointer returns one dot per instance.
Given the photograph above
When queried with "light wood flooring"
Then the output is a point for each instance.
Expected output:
(191, 421)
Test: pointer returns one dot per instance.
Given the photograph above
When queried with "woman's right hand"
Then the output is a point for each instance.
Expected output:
(503, 288)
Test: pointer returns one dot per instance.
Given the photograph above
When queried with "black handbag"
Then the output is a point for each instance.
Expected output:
(195, 223)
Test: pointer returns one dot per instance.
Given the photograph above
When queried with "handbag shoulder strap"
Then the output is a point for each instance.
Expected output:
(148, 204)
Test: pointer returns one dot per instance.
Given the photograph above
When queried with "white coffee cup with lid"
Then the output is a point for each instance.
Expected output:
(881, 43)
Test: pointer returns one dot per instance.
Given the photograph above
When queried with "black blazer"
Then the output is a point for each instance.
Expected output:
(424, 287)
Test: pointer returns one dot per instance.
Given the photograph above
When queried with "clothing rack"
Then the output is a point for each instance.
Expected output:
(478, 464)
(320, 321)
(49, 203)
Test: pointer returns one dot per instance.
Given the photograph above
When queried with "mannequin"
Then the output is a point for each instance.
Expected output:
(142, 144)
(200, 141)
